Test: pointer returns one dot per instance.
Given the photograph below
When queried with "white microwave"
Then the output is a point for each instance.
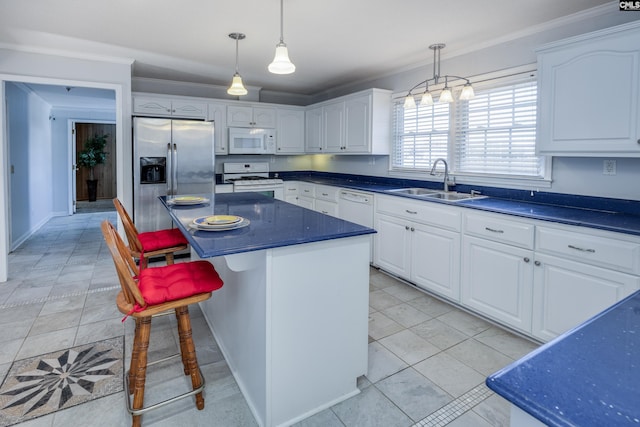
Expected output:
(252, 141)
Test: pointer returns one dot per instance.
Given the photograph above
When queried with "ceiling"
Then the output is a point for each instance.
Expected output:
(331, 42)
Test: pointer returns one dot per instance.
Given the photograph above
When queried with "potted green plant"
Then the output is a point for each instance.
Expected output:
(93, 154)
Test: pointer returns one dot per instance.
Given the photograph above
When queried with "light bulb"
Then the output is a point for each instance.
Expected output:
(409, 102)
(426, 99)
(467, 92)
(446, 96)
(237, 88)
(281, 63)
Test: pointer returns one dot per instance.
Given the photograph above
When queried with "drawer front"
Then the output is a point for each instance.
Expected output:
(307, 190)
(430, 213)
(500, 229)
(596, 250)
(328, 193)
(327, 208)
(290, 188)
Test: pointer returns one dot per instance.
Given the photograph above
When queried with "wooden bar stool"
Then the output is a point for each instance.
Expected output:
(153, 291)
(151, 243)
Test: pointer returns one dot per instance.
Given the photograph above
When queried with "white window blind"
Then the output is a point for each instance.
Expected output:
(495, 132)
(421, 135)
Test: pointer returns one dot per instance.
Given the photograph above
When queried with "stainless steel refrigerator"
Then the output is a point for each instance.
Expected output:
(170, 157)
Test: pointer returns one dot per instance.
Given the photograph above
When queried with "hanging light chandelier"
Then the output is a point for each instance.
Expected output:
(237, 88)
(281, 63)
(445, 95)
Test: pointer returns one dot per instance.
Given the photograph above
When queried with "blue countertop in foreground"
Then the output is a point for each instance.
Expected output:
(274, 223)
(589, 376)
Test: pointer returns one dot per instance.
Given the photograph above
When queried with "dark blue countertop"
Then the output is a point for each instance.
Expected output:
(616, 215)
(589, 376)
(273, 223)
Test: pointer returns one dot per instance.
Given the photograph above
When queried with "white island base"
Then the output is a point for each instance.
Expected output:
(292, 323)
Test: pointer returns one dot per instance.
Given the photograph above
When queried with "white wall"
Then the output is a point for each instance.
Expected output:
(30, 153)
(28, 66)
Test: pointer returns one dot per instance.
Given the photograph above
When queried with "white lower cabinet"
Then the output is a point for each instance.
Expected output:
(497, 268)
(497, 281)
(566, 293)
(578, 273)
(420, 242)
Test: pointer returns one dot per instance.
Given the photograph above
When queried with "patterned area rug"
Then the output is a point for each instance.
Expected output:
(44, 384)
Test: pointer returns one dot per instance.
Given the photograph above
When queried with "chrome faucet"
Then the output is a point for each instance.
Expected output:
(446, 171)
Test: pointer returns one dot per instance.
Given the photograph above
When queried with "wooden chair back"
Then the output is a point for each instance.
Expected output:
(129, 227)
(125, 264)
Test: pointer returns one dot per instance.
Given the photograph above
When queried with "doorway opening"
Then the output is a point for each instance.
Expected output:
(105, 173)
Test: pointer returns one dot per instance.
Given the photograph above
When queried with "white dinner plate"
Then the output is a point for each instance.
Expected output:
(188, 200)
(201, 224)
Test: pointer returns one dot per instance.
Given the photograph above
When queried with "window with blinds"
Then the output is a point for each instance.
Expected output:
(421, 135)
(492, 135)
(495, 133)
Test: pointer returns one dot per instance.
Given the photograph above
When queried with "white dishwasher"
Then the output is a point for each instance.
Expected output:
(357, 207)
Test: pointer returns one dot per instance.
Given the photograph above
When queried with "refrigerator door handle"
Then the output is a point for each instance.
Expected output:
(174, 178)
(169, 171)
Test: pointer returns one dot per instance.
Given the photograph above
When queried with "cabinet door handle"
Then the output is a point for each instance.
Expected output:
(526, 259)
(577, 248)
(406, 227)
(413, 229)
(493, 230)
(410, 212)
(537, 263)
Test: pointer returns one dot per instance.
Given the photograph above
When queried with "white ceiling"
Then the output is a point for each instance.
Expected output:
(331, 42)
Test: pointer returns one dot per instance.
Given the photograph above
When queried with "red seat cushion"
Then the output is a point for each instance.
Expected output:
(161, 239)
(177, 281)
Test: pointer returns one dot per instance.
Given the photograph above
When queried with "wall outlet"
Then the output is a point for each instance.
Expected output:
(609, 167)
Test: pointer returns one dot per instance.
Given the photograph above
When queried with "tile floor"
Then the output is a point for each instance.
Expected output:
(427, 359)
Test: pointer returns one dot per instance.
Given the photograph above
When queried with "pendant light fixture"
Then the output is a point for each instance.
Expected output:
(281, 63)
(445, 95)
(237, 88)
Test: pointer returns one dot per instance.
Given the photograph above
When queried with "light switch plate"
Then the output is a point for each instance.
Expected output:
(609, 167)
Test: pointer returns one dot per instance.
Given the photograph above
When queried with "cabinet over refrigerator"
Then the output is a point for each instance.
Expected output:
(170, 157)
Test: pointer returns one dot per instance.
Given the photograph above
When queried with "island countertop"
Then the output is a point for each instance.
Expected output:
(273, 223)
(589, 376)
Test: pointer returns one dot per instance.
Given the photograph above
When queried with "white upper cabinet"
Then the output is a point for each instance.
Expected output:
(589, 94)
(217, 113)
(169, 107)
(290, 131)
(313, 130)
(352, 124)
(250, 116)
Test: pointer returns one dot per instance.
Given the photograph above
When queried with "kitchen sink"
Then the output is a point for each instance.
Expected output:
(426, 193)
(453, 197)
(414, 191)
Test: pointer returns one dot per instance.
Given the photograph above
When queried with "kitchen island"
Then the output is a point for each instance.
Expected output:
(292, 316)
(589, 376)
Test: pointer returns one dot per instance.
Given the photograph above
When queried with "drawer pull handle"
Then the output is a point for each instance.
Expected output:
(493, 230)
(577, 248)
(410, 212)
(325, 194)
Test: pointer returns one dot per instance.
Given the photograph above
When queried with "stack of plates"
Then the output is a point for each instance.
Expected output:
(219, 222)
(188, 200)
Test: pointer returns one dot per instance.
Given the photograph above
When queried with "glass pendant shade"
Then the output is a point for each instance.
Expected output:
(446, 95)
(237, 88)
(409, 102)
(467, 92)
(281, 63)
(426, 99)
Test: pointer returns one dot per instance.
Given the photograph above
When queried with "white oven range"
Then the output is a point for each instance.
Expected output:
(252, 176)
